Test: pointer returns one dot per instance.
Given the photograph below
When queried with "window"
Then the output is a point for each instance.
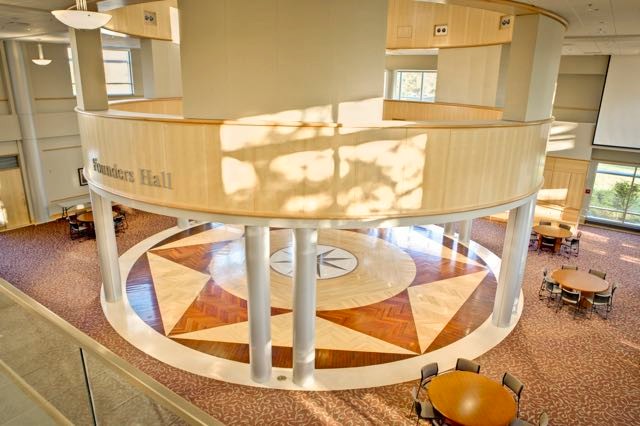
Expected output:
(415, 86)
(117, 72)
(616, 195)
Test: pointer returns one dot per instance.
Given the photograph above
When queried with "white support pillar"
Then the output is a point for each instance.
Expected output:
(107, 247)
(258, 281)
(464, 231)
(449, 229)
(304, 305)
(514, 256)
(88, 69)
(19, 77)
(183, 223)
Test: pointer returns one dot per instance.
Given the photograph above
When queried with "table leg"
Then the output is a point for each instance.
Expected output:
(556, 248)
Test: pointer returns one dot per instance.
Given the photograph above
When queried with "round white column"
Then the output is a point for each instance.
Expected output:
(259, 301)
(514, 254)
(183, 223)
(304, 305)
(464, 231)
(449, 230)
(19, 80)
(107, 247)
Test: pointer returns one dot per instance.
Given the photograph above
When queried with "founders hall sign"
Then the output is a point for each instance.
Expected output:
(144, 177)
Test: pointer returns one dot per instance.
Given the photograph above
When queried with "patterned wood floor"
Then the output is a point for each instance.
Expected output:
(411, 293)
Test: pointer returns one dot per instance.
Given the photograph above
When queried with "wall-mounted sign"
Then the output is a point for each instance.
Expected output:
(144, 176)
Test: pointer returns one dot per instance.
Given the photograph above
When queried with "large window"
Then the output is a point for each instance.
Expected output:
(616, 195)
(117, 72)
(415, 86)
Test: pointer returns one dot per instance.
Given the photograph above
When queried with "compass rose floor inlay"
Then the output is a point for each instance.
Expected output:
(384, 296)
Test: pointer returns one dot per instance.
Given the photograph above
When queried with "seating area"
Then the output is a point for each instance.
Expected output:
(581, 292)
(81, 226)
(463, 396)
(555, 239)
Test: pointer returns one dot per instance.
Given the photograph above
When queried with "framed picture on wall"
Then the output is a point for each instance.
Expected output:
(81, 179)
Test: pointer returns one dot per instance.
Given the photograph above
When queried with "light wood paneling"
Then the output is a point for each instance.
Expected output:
(316, 171)
(13, 202)
(150, 106)
(411, 25)
(439, 111)
(130, 20)
(563, 188)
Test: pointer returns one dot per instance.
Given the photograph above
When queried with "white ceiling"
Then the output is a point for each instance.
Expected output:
(601, 27)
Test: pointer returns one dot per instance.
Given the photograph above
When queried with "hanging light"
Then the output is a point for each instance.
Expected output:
(81, 18)
(41, 60)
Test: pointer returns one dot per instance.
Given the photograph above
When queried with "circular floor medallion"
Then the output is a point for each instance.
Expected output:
(331, 262)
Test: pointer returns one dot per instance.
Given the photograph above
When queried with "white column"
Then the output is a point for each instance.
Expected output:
(161, 69)
(534, 60)
(88, 69)
(464, 231)
(257, 255)
(449, 230)
(304, 305)
(107, 247)
(19, 76)
(514, 254)
(183, 223)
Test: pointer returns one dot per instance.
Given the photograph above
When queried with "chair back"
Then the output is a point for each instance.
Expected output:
(578, 235)
(512, 383)
(572, 267)
(545, 223)
(564, 226)
(428, 371)
(544, 419)
(597, 273)
(570, 295)
(464, 364)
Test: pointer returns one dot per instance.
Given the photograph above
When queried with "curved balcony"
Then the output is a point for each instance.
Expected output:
(329, 174)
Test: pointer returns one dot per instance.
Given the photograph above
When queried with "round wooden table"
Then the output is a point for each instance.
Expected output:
(552, 232)
(88, 217)
(471, 399)
(579, 280)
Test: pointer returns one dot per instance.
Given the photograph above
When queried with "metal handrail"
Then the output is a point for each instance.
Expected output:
(149, 386)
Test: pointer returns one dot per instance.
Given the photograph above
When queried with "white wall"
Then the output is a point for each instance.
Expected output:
(317, 60)
(470, 75)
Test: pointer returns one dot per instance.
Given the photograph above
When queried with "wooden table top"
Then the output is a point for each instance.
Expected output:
(88, 217)
(472, 399)
(579, 280)
(552, 231)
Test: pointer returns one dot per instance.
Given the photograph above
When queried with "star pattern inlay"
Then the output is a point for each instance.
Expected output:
(331, 262)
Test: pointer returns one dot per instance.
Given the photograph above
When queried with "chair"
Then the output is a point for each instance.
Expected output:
(564, 226)
(604, 298)
(427, 373)
(533, 240)
(516, 387)
(600, 274)
(547, 243)
(549, 286)
(463, 364)
(569, 297)
(119, 223)
(545, 223)
(572, 244)
(572, 267)
(542, 421)
(76, 229)
(424, 410)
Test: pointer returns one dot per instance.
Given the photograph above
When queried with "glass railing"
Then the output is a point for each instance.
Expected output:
(51, 373)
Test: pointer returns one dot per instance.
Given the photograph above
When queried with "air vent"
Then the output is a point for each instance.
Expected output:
(8, 162)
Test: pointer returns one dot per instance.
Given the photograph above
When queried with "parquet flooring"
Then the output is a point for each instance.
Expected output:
(434, 293)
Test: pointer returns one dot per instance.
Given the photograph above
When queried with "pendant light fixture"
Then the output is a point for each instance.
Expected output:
(81, 18)
(41, 60)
